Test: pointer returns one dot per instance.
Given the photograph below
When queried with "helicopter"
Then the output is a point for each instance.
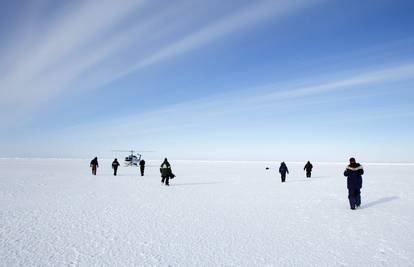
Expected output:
(133, 158)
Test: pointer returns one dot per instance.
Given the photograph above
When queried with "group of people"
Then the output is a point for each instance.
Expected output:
(115, 164)
(283, 170)
(353, 172)
(165, 169)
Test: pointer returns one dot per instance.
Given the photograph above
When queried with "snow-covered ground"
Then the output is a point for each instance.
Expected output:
(55, 213)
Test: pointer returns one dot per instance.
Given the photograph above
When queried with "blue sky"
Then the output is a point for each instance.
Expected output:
(243, 80)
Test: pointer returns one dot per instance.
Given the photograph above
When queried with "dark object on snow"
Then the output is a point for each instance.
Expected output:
(142, 166)
(283, 169)
(308, 168)
(115, 165)
(94, 165)
(354, 172)
(166, 172)
(267, 168)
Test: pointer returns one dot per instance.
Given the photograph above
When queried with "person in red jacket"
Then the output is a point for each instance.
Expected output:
(94, 165)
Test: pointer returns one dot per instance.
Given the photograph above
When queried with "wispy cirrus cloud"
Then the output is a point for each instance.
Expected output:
(86, 43)
(38, 66)
(222, 27)
(259, 99)
(189, 122)
(367, 77)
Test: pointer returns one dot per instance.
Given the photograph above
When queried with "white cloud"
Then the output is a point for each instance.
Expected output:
(186, 124)
(387, 74)
(89, 37)
(216, 108)
(220, 28)
(38, 69)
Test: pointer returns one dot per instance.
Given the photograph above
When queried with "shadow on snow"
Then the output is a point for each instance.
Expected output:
(303, 180)
(379, 201)
(186, 184)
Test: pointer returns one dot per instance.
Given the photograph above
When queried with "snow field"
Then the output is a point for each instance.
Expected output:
(54, 212)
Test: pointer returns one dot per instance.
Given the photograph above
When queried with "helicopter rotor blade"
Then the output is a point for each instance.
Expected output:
(134, 150)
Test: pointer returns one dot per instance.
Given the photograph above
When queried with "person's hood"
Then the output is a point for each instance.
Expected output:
(354, 166)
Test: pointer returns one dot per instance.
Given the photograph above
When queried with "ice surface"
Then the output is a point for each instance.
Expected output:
(54, 212)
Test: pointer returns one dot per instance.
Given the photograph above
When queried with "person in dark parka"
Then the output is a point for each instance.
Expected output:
(308, 168)
(115, 165)
(94, 165)
(354, 173)
(142, 166)
(283, 169)
(166, 172)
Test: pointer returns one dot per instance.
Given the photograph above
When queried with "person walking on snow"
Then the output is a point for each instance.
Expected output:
(283, 169)
(142, 167)
(354, 172)
(166, 172)
(115, 165)
(94, 165)
(308, 168)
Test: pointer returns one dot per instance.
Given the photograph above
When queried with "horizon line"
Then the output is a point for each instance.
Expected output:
(220, 161)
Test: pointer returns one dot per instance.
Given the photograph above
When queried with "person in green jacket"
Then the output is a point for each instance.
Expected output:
(166, 172)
